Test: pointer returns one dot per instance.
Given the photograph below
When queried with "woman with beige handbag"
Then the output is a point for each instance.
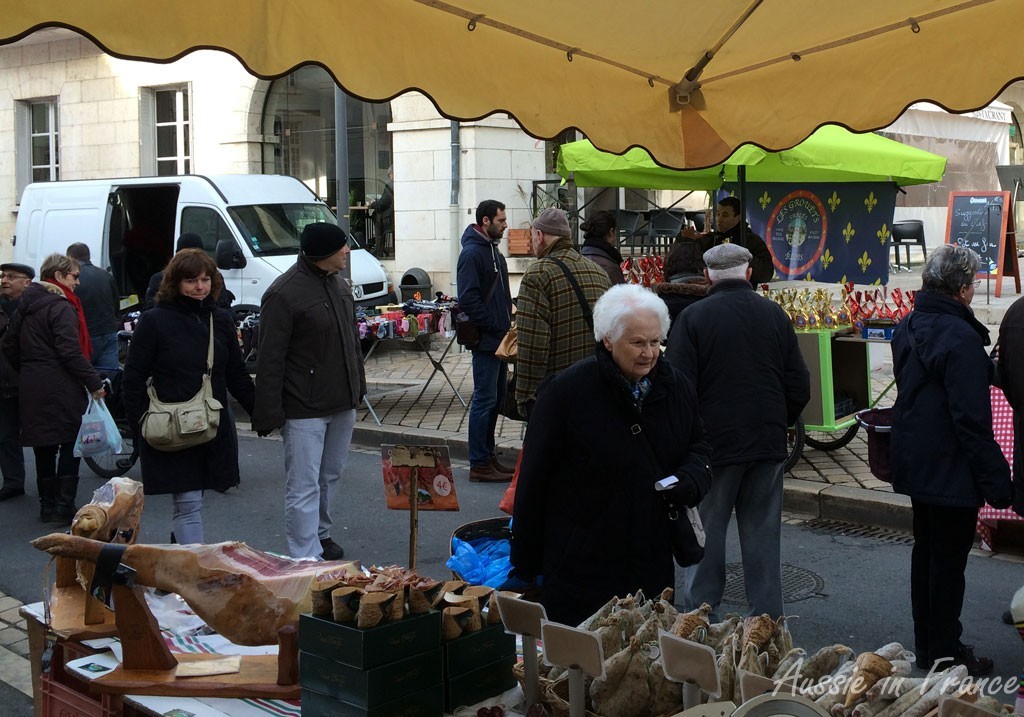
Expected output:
(183, 360)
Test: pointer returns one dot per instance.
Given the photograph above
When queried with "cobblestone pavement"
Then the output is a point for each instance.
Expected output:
(432, 410)
(440, 410)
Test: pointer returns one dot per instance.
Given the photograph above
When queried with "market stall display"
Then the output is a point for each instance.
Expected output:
(840, 682)
(834, 335)
(414, 322)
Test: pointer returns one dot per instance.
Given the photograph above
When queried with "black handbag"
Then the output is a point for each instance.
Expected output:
(686, 531)
(509, 408)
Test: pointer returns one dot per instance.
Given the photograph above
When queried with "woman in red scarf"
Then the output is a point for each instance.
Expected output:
(48, 344)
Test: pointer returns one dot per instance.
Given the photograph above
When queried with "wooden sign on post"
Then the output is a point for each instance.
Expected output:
(417, 478)
(981, 221)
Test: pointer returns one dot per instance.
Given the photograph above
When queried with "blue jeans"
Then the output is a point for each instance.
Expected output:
(187, 522)
(104, 351)
(490, 381)
(315, 454)
(755, 490)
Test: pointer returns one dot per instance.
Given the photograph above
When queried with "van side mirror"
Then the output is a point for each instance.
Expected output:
(228, 255)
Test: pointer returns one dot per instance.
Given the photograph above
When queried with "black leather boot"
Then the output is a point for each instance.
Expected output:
(68, 491)
(47, 488)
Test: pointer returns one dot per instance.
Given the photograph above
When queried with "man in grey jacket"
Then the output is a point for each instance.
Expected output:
(309, 381)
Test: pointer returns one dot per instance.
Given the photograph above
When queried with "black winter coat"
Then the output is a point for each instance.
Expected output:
(943, 451)
(1011, 380)
(170, 345)
(42, 345)
(480, 265)
(586, 516)
(8, 376)
(309, 363)
(761, 264)
(677, 295)
(741, 353)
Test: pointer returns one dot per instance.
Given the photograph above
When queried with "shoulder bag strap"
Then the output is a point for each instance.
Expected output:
(209, 351)
(588, 315)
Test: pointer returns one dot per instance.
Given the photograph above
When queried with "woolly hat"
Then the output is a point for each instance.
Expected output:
(321, 240)
(188, 240)
(726, 256)
(553, 222)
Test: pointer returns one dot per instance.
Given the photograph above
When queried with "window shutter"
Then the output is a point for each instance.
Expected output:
(147, 132)
(23, 147)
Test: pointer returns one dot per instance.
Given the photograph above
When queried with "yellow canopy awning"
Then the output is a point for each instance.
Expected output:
(616, 70)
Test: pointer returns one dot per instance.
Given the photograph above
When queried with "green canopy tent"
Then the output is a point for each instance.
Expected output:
(831, 154)
(825, 175)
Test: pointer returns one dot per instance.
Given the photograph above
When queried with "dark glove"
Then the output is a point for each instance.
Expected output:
(1018, 500)
(263, 434)
(686, 492)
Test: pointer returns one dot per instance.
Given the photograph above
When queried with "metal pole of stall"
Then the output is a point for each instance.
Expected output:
(341, 165)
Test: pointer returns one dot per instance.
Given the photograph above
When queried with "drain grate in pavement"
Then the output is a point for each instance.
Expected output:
(797, 584)
(837, 527)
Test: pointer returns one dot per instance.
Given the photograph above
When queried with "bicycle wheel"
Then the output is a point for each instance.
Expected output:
(795, 444)
(113, 465)
(830, 440)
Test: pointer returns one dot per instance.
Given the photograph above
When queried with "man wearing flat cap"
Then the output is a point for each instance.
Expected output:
(309, 381)
(741, 353)
(14, 278)
(554, 311)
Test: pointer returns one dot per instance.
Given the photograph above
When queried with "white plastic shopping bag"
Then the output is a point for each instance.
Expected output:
(98, 434)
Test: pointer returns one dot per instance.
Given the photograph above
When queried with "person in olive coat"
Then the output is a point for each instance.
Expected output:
(170, 346)
(47, 344)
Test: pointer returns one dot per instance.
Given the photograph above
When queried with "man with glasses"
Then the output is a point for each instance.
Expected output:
(13, 281)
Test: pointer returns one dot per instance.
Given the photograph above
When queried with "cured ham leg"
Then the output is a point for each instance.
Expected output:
(244, 594)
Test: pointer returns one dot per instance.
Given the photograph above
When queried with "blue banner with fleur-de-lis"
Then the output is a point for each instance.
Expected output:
(823, 232)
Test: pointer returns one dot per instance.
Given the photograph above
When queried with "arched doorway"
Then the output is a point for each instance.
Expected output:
(299, 115)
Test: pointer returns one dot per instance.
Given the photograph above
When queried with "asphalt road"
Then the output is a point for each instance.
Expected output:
(861, 584)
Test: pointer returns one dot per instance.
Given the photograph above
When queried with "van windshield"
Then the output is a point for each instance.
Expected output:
(274, 229)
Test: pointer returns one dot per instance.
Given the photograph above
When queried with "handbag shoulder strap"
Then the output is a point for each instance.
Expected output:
(588, 315)
(209, 350)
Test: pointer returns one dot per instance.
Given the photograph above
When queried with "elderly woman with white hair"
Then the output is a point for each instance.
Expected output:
(588, 522)
(943, 453)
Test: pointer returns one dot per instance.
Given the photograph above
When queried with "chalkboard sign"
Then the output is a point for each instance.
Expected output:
(979, 220)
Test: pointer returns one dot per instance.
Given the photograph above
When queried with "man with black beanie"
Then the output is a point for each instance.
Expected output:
(309, 381)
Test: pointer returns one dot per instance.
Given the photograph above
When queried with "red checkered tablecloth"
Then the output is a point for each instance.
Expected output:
(1002, 427)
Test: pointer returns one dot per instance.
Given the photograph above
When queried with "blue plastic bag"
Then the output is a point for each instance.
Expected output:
(98, 434)
(484, 561)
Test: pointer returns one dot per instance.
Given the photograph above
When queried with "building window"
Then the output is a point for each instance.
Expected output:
(166, 126)
(38, 130)
(299, 116)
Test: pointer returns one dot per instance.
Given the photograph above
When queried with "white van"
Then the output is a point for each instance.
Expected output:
(250, 223)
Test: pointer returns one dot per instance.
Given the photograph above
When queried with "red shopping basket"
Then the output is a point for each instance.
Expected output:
(878, 424)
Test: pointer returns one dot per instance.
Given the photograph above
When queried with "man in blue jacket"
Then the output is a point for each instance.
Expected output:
(484, 296)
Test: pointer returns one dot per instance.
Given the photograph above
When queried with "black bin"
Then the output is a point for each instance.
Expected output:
(416, 280)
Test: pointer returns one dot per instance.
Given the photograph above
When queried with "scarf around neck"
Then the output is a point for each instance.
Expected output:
(83, 330)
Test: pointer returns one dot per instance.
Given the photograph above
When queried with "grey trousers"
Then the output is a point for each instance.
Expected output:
(315, 454)
(755, 491)
(187, 522)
